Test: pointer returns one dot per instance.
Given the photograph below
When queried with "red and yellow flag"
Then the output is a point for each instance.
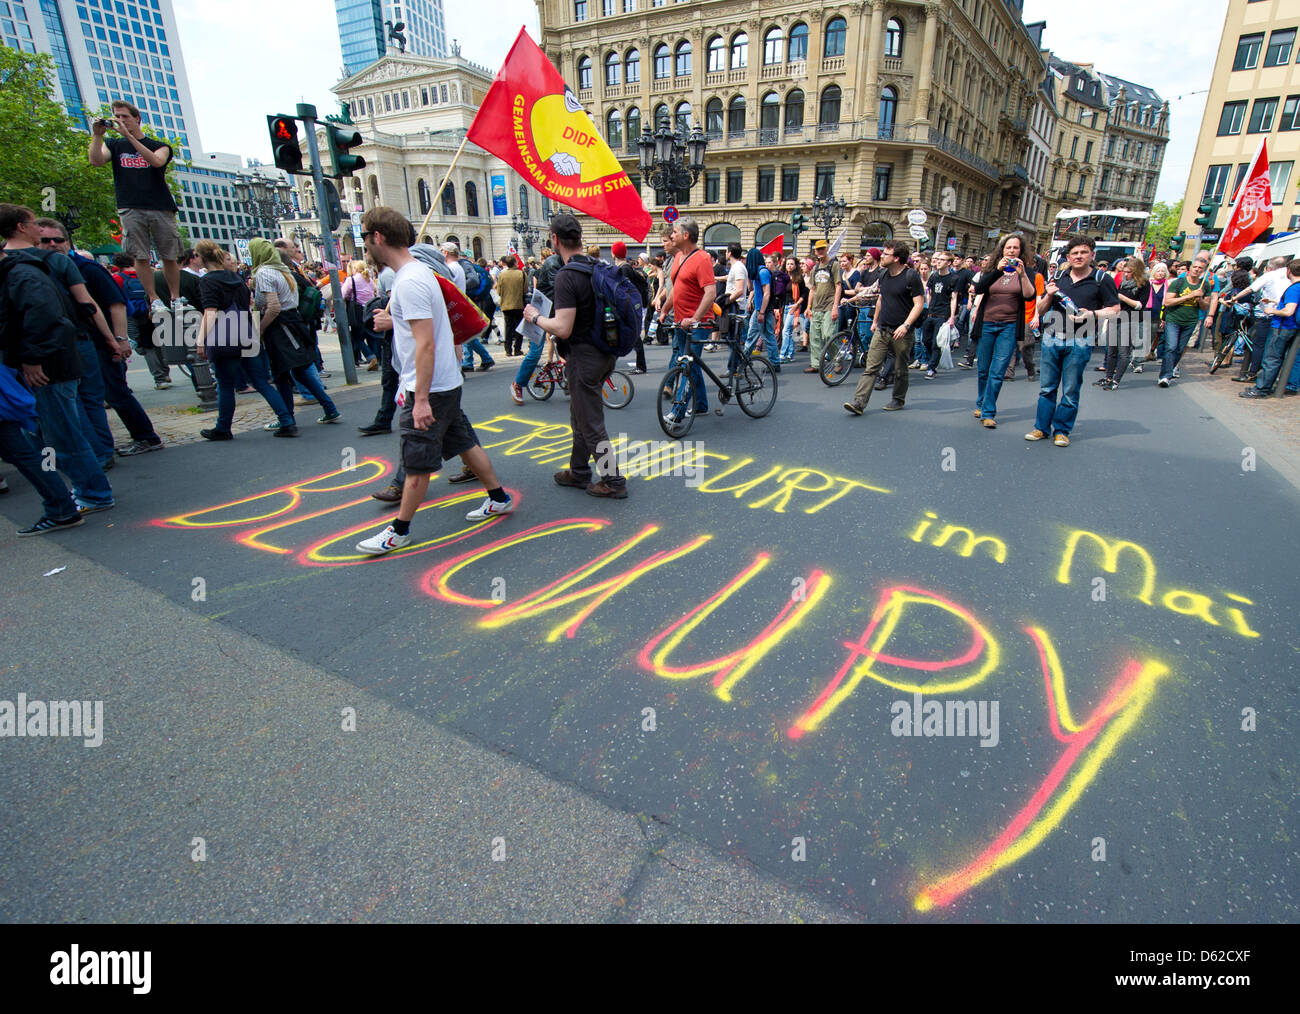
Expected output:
(533, 121)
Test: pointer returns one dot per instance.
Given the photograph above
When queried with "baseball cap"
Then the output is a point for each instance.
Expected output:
(450, 247)
(567, 228)
(874, 252)
(821, 244)
(619, 248)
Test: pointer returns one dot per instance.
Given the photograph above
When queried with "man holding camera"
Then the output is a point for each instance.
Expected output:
(145, 206)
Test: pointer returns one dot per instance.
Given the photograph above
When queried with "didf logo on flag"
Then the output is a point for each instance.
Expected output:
(533, 121)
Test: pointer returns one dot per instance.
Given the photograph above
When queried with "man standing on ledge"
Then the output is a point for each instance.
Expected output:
(145, 206)
(433, 425)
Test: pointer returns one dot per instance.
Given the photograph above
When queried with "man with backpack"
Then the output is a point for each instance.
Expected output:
(139, 326)
(591, 299)
(637, 277)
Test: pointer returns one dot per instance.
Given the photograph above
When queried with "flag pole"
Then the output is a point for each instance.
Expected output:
(437, 194)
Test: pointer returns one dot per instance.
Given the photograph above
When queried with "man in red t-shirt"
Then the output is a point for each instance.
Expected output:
(691, 291)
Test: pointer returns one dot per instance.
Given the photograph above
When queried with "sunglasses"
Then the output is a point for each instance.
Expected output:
(51, 239)
(367, 234)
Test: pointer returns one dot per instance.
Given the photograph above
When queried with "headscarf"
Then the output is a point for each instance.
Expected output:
(753, 261)
(264, 255)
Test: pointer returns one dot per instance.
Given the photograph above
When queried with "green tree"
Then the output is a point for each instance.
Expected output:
(1163, 223)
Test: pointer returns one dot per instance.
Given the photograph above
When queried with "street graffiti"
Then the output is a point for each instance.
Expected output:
(592, 561)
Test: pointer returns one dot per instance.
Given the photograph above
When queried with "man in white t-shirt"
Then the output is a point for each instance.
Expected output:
(451, 252)
(434, 428)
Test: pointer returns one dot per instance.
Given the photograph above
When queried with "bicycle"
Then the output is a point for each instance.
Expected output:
(842, 354)
(752, 384)
(616, 392)
(1241, 333)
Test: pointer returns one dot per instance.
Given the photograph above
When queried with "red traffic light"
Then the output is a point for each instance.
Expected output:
(284, 129)
(284, 143)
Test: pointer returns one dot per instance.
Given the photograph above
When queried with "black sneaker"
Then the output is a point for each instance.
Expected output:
(374, 429)
(286, 431)
(52, 525)
(216, 435)
(138, 447)
(1253, 392)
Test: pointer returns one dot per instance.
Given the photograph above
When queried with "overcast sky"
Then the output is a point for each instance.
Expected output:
(247, 58)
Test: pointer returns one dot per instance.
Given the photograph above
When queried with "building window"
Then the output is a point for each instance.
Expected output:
(798, 43)
(713, 118)
(1105, 180)
(739, 51)
(1236, 185)
(663, 62)
(607, 9)
(579, 10)
(1290, 114)
(422, 189)
(836, 31)
(523, 201)
(614, 129)
(449, 199)
(632, 67)
(1261, 116)
(712, 185)
(790, 183)
(888, 111)
(1074, 147)
(824, 182)
(584, 73)
(883, 175)
(612, 68)
(1231, 118)
(772, 45)
(830, 106)
(1279, 175)
(1216, 180)
(1248, 47)
(717, 58)
(766, 184)
(1279, 47)
(471, 200)
(735, 183)
(661, 116)
(633, 126)
(683, 59)
(682, 118)
(893, 38)
(1087, 152)
(794, 110)
(1083, 179)
(736, 115)
(769, 118)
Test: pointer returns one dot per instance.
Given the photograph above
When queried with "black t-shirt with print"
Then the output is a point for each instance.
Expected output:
(573, 292)
(896, 295)
(137, 184)
(941, 289)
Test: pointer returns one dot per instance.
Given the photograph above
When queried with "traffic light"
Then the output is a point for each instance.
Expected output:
(798, 224)
(340, 140)
(1208, 212)
(925, 243)
(284, 143)
(333, 209)
(1176, 242)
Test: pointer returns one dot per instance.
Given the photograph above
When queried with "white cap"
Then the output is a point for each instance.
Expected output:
(450, 247)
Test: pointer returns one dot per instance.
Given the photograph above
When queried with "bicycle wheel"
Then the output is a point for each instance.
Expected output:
(756, 389)
(837, 360)
(617, 391)
(542, 385)
(676, 403)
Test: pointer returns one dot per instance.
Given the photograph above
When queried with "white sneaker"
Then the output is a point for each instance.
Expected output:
(489, 508)
(1176, 373)
(385, 542)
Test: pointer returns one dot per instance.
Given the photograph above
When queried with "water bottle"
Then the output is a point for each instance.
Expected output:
(611, 327)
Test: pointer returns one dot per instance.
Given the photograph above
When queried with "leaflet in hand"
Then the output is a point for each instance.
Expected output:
(531, 331)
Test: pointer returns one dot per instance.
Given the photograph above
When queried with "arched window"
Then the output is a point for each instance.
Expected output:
(876, 233)
(894, 38)
(736, 115)
(769, 117)
(713, 118)
(584, 72)
(794, 110)
(523, 201)
(718, 235)
(717, 54)
(830, 107)
(836, 30)
(453, 239)
(772, 46)
(663, 61)
(888, 110)
(633, 126)
(478, 247)
(739, 51)
(661, 116)
(374, 191)
(449, 199)
(471, 200)
(613, 65)
(682, 118)
(798, 43)
(422, 188)
(769, 231)
(632, 64)
(614, 129)
(683, 68)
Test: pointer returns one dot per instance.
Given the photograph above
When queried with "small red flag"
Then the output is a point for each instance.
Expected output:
(531, 120)
(1254, 211)
(773, 246)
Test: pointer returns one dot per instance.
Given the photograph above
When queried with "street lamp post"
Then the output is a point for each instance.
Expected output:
(828, 212)
(264, 202)
(526, 231)
(670, 160)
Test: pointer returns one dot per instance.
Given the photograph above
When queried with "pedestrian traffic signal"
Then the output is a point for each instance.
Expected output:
(1208, 212)
(284, 143)
(333, 208)
(340, 140)
(798, 224)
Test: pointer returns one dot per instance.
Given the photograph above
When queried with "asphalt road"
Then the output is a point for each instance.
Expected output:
(736, 653)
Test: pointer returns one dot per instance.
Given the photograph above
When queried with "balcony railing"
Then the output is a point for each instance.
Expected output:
(661, 84)
(832, 63)
(1014, 170)
(891, 64)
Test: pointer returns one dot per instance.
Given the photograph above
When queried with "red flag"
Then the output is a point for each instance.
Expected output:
(1254, 211)
(531, 120)
(775, 245)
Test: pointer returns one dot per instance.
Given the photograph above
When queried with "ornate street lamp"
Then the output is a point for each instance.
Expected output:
(263, 201)
(671, 160)
(526, 231)
(828, 212)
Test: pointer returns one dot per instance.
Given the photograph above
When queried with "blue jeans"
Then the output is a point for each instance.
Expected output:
(124, 403)
(1176, 338)
(787, 336)
(997, 346)
(762, 329)
(308, 378)
(61, 417)
(230, 374)
(863, 325)
(1293, 381)
(16, 447)
(1062, 366)
(467, 354)
(697, 339)
(530, 362)
(1278, 343)
(90, 391)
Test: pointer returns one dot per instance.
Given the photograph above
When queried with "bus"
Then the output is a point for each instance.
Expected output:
(1119, 233)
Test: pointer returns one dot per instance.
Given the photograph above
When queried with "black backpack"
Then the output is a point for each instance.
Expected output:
(60, 318)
